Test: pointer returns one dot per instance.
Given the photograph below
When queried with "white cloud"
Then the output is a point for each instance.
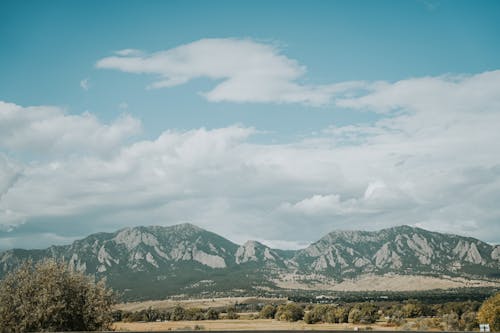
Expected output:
(434, 96)
(44, 130)
(431, 161)
(128, 52)
(85, 84)
(249, 71)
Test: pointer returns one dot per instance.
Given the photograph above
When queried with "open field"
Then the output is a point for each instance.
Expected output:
(240, 325)
(392, 282)
(203, 303)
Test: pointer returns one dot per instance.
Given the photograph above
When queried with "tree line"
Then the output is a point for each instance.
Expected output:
(48, 296)
(410, 314)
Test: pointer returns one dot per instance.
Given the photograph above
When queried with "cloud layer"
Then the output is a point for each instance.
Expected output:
(431, 161)
(43, 130)
(244, 71)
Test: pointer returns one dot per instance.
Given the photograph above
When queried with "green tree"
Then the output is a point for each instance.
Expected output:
(150, 314)
(469, 320)
(490, 312)
(195, 314)
(315, 315)
(267, 312)
(212, 314)
(231, 313)
(50, 297)
(354, 315)
(342, 314)
(324, 313)
(396, 318)
(363, 313)
(178, 313)
(451, 322)
(289, 312)
(413, 309)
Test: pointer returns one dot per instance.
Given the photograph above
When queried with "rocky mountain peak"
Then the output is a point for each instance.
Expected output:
(177, 257)
(188, 227)
(255, 251)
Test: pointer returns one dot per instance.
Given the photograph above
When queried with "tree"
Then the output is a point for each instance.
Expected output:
(363, 313)
(413, 309)
(50, 297)
(289, 312)
(195, 314)
(355, 315)
(179, 313)
(212, 314)
(490, 312)
(342, 314)
(323, 313)
(451, 321)
(231, 313)
(267, 312)
(469, 321)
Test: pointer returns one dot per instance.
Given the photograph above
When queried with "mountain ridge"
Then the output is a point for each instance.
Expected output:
(184, 258)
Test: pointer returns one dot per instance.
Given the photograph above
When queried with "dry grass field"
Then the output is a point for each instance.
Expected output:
(196, 303)
(239, 325)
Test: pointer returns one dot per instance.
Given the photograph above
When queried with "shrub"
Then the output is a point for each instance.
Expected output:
(267, 312)
(231, 313)
(50, 297)
(325, 313)
(363, 313)
(178, 313)
(289, 312)
(212, 314)
(451, 322)
(469, 320)
(194, 314)
(490, 312)
(354, 315)
(342, 314)
(397, 318)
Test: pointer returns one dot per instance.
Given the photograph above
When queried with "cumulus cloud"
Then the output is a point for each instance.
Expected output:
(431, 161)
(245, 71)
(377, 198)
(448, 94)
(43, 129)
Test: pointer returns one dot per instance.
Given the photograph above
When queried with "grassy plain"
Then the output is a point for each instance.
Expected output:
(240, 325)
(203, 303)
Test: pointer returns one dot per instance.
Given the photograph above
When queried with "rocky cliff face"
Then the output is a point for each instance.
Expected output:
(184, 258)
(404, 249)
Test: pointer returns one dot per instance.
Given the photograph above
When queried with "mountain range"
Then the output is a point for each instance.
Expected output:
(155, 261)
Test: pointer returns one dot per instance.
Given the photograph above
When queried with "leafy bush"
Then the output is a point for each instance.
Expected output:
(396, 318)
(354, 315)
(231, 313)
(194, 314)
(212, 314)
(469, 321)
(320, 313)
(451, 322)
(363, 313)
(490, 312)
(289, 312)
(178, 313)
(267, 312)
(50, 297)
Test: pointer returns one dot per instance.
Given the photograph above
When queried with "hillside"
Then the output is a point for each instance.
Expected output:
(155, 261)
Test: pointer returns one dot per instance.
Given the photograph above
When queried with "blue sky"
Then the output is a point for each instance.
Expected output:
(336, 81)
(49, 47)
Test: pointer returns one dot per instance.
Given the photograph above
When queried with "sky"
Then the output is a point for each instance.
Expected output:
(277, 121)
